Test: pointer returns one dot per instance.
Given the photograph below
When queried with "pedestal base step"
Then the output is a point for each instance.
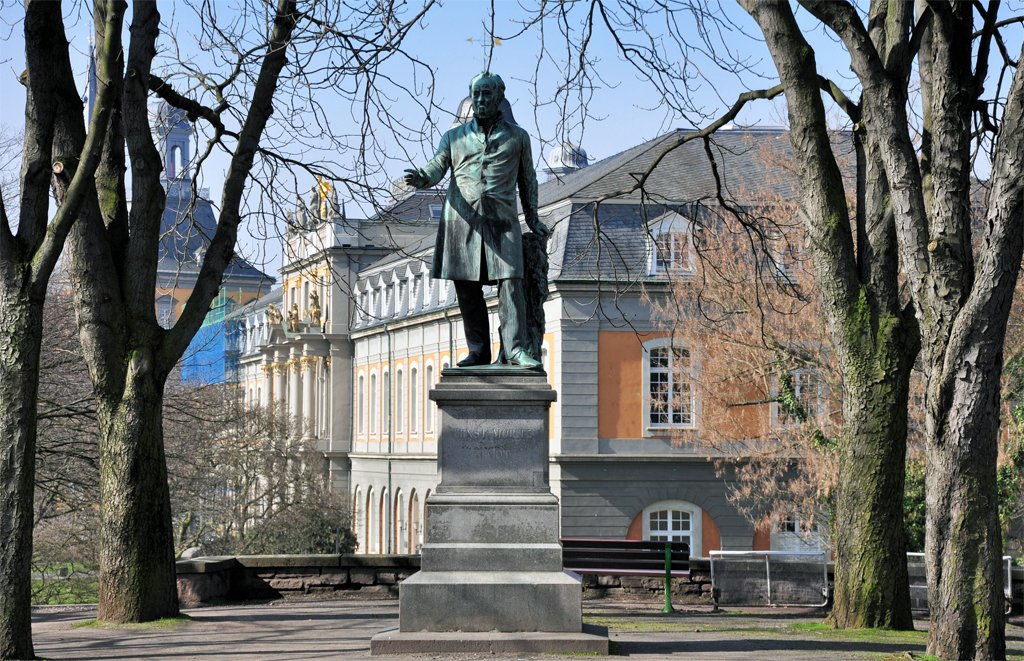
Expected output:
(490, 601)
(592, 640)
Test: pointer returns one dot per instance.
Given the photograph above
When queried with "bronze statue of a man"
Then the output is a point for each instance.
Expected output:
(478, 238)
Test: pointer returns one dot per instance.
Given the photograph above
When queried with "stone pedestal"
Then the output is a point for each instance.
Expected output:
(491, 576)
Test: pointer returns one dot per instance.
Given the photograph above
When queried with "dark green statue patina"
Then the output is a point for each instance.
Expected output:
(478, 239)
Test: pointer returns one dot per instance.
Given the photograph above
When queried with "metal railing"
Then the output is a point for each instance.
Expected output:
(918, 558)
(774, 594)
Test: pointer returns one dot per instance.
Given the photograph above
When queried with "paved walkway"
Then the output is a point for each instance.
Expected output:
(342, 629)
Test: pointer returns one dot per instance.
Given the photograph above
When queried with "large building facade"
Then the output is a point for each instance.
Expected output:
(625, 463)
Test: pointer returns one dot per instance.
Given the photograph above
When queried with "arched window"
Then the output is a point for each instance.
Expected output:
(384, 530)
(399, 401)
(386, 404)
(414, 400)
(415, 526)
(669, 386)
(166, 310)
(360, 404)
(373, 403)
(357, 517)
(401, 538)
(429, 419)
(371, 522)
(674, 521)
(174, 163)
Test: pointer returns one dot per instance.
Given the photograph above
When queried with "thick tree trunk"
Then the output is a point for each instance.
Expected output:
(963, 538)
(871, 586)
(875, 340)
(137, 579)
(21, 320)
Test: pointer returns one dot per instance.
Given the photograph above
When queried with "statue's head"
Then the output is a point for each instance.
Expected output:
(487, 91)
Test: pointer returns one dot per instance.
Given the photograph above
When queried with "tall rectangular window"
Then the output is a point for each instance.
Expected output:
(670, 387)
(373, 403)
(360, 404)
(429, 420)
(399, 401)
(414, 400)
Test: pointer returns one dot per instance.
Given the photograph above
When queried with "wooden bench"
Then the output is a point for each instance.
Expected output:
(628, 557)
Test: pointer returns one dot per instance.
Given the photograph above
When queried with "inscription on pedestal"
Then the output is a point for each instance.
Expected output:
(506, 450)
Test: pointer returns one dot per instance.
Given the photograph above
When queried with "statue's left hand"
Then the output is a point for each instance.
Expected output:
(541, 229)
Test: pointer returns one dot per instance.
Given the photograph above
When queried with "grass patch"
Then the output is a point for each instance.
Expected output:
(77, 590)
(162, 623)
(813, 630)
(824, 631)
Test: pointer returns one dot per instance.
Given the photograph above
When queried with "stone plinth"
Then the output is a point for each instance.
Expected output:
(491, 566)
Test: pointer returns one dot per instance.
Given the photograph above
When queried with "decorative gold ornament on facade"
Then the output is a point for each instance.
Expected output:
(314, 308)
(273, 314)
(324, 188)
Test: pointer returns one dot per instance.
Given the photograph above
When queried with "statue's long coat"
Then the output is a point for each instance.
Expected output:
(479, 223)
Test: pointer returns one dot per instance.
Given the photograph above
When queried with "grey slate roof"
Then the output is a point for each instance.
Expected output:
(614, 244)
(185, 233)
(684, 175)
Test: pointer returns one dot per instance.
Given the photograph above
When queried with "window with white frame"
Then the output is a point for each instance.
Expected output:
(386, 402)
(166, 310)
(669, 385)
(414, 399)
(672, 244)
(373, 395)
(361, 403)
(792, 532)
(435, 211)
(399, 401)
(804, 390)
(428, 421)
(674, 521)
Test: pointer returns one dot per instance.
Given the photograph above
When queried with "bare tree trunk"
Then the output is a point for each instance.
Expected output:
(963, 539)
(871, 584)
(19, 381)
(875, 339)
(137, 580)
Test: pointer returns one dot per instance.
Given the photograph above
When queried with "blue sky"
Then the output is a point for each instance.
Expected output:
(623, 109)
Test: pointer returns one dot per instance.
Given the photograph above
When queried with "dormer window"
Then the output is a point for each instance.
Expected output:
(671, 245)
(672, 252)
(435, 211)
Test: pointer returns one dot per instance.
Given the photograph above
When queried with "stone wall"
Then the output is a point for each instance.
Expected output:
(212, 580)
(204, 581)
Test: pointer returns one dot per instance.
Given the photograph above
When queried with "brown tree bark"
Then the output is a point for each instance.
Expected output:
(136, 537)
(874, 336)
(129, 355)
(961, 306)
(21, 319)
(27, 259)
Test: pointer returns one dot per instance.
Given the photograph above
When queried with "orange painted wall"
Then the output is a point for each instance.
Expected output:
(710, 538)
(762, 538)
(636, 527)
(620, 382)
(619, 385)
